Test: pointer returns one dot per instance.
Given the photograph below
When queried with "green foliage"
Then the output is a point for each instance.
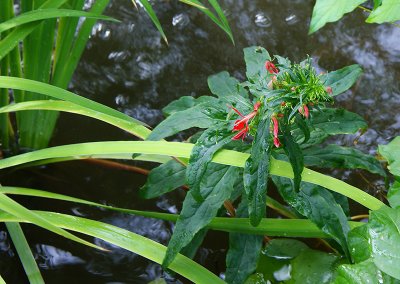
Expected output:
(326, 11)
(341, 80)
(391, 153)
(196, 215)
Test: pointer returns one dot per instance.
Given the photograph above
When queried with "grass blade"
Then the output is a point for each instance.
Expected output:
(58, 93)
(45, 14)
(149, 10)
(127, 240)
(183, 150)
(10, 206)
(24, 253)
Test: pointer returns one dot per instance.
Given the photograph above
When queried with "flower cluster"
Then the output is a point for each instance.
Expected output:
(242, 125)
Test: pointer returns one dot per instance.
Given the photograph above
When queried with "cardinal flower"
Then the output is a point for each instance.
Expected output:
(275, 123)
(271, 67)
(304, 111)
(242, 125)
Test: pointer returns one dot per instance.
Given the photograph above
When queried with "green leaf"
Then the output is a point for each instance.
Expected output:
(163, 179)
(364, 272)
(203, 151)
(244, 251)
(312, 266)
(284, 248)
(337, 121)
(318, 205)
(196, 215)
(182, 120)
(255, 58)
(393, 195)
(335, 156)
(359, 246)
(25, 254)
(384, 235)
(341, 80)
(256, 173)
(226, 87)
(389, 11)
(326, 11)
(391, 153)
(44, 14)
(377, 3)
(127, 240)
(181, 104)
(293, 151)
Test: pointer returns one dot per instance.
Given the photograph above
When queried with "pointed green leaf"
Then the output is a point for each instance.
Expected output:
(394, 195)
(384, 235)
(341, 80)
(293, 151)
(163, 179)
(244, 251)
(203, 151)
(255, 58)
(149, 10)
(359, 246)
(318, 205)
(391, 153)
(256, 173)
(224, 86)
(196, 215)
(326, 11)
(335, 156)
(389, 11)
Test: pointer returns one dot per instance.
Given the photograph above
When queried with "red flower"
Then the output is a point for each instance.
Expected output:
(271, 67)
(304, 111)
(329, 90)
(277, 143)
(242, 125)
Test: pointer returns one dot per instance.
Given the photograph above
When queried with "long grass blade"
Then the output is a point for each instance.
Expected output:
(178, 149)
(61, 94)
(127, 240)
(149, 10)
(10, 206)
(45, 14)
(24, 253)
(69, 107)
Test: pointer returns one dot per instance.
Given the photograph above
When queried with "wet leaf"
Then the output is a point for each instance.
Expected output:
(335, 121)
(182, 120)
(293, 151)
(256, 172)
(394, 195)
(244, 251)
(326, 11)
(312, 266)
(206, 146)
(384, 234)
(341, 80)
(335, 156)
(364, 272)
(285, 248)
(196, 215)
(255, 58)
(318, 205)
(224, 86)
(391, 153)
(359, 246)
(389, 11)
(163, 179)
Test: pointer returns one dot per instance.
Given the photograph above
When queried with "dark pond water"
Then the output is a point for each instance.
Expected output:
(128, 67)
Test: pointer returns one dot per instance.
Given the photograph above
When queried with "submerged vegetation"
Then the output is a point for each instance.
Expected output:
(246, 138)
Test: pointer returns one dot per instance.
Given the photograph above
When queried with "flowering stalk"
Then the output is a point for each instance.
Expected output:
(242, 125)
(277, 143)
(304, 111)
(271, 67)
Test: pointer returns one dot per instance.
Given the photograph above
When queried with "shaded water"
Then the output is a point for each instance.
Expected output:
(127, 66)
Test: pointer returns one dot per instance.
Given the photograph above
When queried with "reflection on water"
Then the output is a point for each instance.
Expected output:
(128, 67)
